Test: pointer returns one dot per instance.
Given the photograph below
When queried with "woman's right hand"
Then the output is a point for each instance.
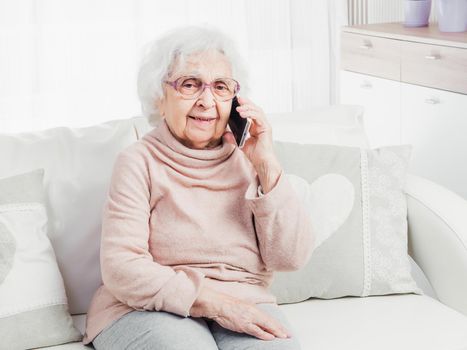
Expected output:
(237, 315)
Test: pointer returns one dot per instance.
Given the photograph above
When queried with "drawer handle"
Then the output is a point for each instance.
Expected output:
(432, 101)
(433, 57)
(366, 85)
(366, 46)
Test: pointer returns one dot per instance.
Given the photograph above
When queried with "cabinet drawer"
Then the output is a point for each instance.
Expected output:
(381, 101)
(434, 66)
(371, 55)
(434, 122)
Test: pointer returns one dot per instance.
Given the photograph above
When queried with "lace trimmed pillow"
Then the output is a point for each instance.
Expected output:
(33, 304)
(358, 212)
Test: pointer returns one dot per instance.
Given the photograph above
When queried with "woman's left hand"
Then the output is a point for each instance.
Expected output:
(259, 146)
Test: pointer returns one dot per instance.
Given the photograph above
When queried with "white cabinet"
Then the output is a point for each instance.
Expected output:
(435, 123)
(412, 83)
(381, 99)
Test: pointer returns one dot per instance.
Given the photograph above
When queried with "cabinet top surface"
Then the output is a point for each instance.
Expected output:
(397, 30)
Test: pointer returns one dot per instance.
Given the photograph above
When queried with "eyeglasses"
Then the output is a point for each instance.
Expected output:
(223, 89)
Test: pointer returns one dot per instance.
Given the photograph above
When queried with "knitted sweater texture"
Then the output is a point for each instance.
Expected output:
(178, 218)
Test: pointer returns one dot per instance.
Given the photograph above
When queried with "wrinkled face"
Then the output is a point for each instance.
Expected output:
(197, 123)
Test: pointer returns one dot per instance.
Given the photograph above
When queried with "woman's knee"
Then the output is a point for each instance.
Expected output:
(228, 340)
(154, 330)
(194, 339)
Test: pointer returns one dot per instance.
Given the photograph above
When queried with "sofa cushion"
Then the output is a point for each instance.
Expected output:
(33, 303)
(380, 322)
(78, 165)
(358, 212)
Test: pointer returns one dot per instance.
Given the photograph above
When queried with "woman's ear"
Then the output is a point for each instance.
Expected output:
(160, 105)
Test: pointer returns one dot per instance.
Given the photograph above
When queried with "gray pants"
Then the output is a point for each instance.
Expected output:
(141, 330)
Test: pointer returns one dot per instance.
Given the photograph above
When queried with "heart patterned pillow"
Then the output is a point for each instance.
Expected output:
(358, 212)
(329, 200)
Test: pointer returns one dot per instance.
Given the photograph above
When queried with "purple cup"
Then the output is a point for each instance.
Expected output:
(452, 15)
(416, 12)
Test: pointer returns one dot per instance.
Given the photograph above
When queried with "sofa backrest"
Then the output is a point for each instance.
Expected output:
(78, 164)
(335, 125)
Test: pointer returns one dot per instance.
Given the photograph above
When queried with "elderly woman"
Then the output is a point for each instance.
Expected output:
(194, 226)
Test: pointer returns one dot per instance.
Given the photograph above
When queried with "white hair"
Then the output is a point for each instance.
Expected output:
(176, 45)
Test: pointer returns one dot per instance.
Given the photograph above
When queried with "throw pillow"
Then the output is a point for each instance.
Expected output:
(358, 212)
(33, 304)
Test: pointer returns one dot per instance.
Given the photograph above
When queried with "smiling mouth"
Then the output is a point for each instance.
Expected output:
(202, 118)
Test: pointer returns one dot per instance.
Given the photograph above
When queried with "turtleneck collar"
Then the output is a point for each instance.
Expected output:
(162, 134)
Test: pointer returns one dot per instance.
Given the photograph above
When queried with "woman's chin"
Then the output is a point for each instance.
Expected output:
(204, 143)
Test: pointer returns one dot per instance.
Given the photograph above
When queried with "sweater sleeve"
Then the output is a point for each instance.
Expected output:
(282, 225)
(128, 268)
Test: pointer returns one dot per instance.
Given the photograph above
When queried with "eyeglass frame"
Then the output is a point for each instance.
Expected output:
(203, 87)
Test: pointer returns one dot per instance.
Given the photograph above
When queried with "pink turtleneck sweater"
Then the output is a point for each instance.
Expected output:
(178, 218)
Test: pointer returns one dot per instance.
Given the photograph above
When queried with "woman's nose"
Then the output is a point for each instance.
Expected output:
(206, 99)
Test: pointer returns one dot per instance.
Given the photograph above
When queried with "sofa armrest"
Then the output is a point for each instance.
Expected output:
(437, 239)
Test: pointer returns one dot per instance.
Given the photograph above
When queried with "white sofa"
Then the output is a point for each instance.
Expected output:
(78, 164)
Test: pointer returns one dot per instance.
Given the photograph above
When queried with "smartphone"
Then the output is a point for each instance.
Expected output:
(238, 125)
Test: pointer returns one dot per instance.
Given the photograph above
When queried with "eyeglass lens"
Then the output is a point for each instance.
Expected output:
(190, 86)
